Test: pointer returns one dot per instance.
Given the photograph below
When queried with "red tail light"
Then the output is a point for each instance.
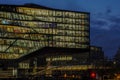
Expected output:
(93, 75)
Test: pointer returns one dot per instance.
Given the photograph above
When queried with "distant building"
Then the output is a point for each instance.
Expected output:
(117, 58)
(96, 56)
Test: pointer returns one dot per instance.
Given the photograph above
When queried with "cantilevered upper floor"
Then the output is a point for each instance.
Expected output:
(27, 28)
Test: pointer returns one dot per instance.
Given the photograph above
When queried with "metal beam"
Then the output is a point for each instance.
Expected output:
(11, 45)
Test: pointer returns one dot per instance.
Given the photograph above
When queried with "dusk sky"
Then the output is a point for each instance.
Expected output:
(105, 19)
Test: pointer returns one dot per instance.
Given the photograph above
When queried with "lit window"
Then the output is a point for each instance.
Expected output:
(9, 29)
(5, 21)
(58, 13)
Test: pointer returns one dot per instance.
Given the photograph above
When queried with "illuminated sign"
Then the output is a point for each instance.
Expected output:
(24, 65)
(59, 58)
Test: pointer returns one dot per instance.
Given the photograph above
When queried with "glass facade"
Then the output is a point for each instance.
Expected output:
(26, 29)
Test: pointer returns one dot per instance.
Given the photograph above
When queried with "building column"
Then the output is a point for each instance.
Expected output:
(15, 72)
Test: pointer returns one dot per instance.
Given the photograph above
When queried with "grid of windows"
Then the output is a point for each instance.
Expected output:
(28, 29)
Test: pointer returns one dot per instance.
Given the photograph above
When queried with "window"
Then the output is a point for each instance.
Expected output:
(82, 22)
(78, 33)
(72, 27)
(86, 27)
(70, 39)
(65, 20)
(2, 41)
(8, 15)
(66, 14)
(20, 9)
(77, 21)
(10, 29)
(71, 14)
(58, 19)
(51, 31)
(51, 13)
(60, 32)
(15, 16)
(82, 28)
(53, 25)
(28, 11)
(5, 14)
(1, 14)
(5, 21)
(84, 16)
(44, 12)
(77, 27)
(86, 33)
(59, 13)
(3, 47)
(24, 65)
(38, 13)
(60, 26)
(72, 21)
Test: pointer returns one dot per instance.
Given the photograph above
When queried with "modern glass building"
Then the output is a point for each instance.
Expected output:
(27, 28)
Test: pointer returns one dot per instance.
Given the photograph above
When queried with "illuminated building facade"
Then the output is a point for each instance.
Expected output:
(25, 29)
(29, 29)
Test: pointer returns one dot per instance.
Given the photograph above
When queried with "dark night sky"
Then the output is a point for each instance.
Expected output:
(105, 19)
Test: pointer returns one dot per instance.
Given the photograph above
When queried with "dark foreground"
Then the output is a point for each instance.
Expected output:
(45, 78)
